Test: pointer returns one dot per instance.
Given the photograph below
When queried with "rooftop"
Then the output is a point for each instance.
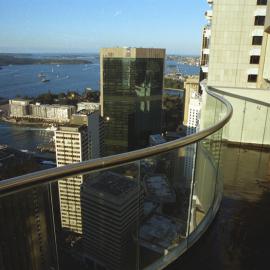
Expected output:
(159, 233)
(113, 184)
(158, 188)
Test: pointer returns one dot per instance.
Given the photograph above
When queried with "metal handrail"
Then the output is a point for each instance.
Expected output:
(45, 176)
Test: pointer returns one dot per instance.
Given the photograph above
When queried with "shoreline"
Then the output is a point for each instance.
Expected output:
(25, 123)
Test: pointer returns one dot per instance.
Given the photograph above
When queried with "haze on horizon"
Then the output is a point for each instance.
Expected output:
(85, 26)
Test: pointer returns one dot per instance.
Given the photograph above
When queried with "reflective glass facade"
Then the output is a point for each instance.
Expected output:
(132, 101)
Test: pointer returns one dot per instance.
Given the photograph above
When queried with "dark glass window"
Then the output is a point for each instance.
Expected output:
(259, 20)
(252, 78)
(257, 40)
(262, 2)
(254, 59)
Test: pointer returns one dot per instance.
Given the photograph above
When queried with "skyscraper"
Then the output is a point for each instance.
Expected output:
(95, 128)
(71, 144)
(131, 96)
(111, 209)
(27, 232)
(239, 66)
(238, 44)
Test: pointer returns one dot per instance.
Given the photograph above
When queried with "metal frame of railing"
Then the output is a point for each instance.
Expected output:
(40, 177)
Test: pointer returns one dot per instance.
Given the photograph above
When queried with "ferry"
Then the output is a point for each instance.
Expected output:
(45, 80)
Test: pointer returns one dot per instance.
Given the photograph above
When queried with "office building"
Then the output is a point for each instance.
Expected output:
(191, 86)
(18, 107)
(89, 106)
(204, 61)
(21, 108)
(71, 144)
(131, 96)
(95, 127)
(193, 126)
(112, 206)
(26, 231)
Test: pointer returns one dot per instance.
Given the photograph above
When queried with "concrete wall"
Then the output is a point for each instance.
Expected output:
(231, 43)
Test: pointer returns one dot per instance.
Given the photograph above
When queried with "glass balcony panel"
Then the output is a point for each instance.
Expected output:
(138, 215)
(266, 137)
(255, 114)
(233, 130)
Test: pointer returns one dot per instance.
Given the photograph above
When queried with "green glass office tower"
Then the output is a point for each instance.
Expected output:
(131, 96)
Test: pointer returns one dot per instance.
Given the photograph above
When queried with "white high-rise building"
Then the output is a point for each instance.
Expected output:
(71, 144)
(194, 112)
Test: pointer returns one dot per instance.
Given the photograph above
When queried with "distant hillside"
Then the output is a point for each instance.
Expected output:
(13, 60)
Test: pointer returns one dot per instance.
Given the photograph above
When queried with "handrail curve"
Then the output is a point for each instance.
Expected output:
(45, 176)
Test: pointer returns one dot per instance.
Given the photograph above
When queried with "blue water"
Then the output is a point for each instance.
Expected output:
(23, 80)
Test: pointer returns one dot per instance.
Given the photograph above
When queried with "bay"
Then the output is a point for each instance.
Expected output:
(23, 80)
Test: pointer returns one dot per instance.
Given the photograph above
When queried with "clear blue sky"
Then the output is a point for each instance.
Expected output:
(87, 25)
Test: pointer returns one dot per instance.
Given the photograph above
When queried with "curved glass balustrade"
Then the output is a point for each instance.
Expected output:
(137, 210)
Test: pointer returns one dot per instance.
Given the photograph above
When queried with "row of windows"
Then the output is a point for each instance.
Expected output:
(67, 138)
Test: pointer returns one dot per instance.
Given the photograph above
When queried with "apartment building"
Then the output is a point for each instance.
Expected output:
(239, 66)
(71, 144)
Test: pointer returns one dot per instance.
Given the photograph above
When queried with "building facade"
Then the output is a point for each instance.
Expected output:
(71, 144)
(239, 66)
(89, 106)
(95, 126)
(20, 108)
(111, 209)
(131, 96)
(191, 87)
(238, 44)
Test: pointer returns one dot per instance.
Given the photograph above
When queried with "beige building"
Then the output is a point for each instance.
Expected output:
(71, 144)
(95, 127)
(18, 107)
(191, 87)
(239, 66)
(54, 112)
(238, 44)
(90, 106)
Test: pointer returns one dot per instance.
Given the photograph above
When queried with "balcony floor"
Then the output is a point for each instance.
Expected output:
(239, 238)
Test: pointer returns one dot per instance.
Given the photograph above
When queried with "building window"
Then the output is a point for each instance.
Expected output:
(261, 2)
(259, 20)
(257, 40)
(252, 78)
(254, 59)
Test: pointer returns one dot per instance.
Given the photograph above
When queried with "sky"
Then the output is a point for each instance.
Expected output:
(85, 26)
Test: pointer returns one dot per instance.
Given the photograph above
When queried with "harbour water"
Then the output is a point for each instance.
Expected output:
(23, 80)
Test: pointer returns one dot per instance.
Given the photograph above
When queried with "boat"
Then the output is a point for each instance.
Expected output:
(45, 80)
(51, 128)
